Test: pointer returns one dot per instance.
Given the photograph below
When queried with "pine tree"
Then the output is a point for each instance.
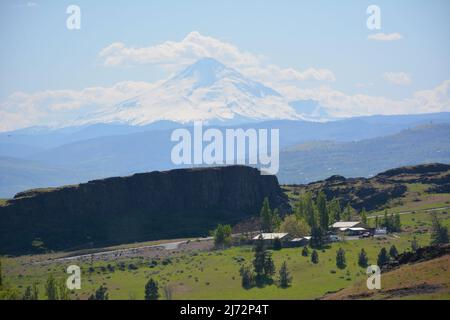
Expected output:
(335, 209)
(363, 261)
(151, 290)
(269, 266)
(276, 220)
(246, 277)
(347, 214)
(285, 277)
(266, 216)
(314, 257)
(364, 216)
(317, 237)
(1, 275)
(393, 252)
(439, 233)
(305, 251)
(383, 258)
(340, 259)
(51, 289)
(309, 210)
(263, 264)
(322, 209)
(259, 258)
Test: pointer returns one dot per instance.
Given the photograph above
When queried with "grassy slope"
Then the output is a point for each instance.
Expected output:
(424, 280)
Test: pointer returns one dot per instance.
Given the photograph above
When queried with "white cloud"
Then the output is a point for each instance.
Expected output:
(397, 78)
(385, 36)
(175, 55)
(61, 107)
(339, 104)
(170, 53)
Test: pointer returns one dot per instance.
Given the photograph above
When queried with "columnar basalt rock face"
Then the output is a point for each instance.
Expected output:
(146, 206)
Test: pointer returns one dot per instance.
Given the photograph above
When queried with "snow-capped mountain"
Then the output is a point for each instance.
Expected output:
(206, 90)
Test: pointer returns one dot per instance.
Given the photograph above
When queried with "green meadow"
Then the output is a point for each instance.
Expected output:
(214, 274)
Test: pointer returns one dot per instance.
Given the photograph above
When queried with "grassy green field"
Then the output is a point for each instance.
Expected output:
(215, 274)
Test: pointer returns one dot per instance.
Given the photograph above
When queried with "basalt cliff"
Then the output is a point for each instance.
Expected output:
(146, 206)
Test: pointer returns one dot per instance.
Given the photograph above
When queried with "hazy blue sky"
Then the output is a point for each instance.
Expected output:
(39, 53)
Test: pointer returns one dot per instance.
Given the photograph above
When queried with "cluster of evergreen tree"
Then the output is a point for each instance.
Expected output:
(270, 219)
(263, 269)
(318, 214)
(391, 222)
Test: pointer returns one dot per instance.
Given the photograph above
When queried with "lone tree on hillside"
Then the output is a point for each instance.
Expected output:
(285, 277)
(247, 277)
(305, 251)
(363, 261)
(151, 290)
(314, 257)
(222, 236)
(383, 258)
(439, 233)
(393, 252)
(340, 259)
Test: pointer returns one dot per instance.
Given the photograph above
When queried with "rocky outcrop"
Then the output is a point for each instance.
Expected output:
(147, 206)
(374, 193)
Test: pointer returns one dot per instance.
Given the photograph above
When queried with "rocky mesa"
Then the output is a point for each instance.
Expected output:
(146, 206)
